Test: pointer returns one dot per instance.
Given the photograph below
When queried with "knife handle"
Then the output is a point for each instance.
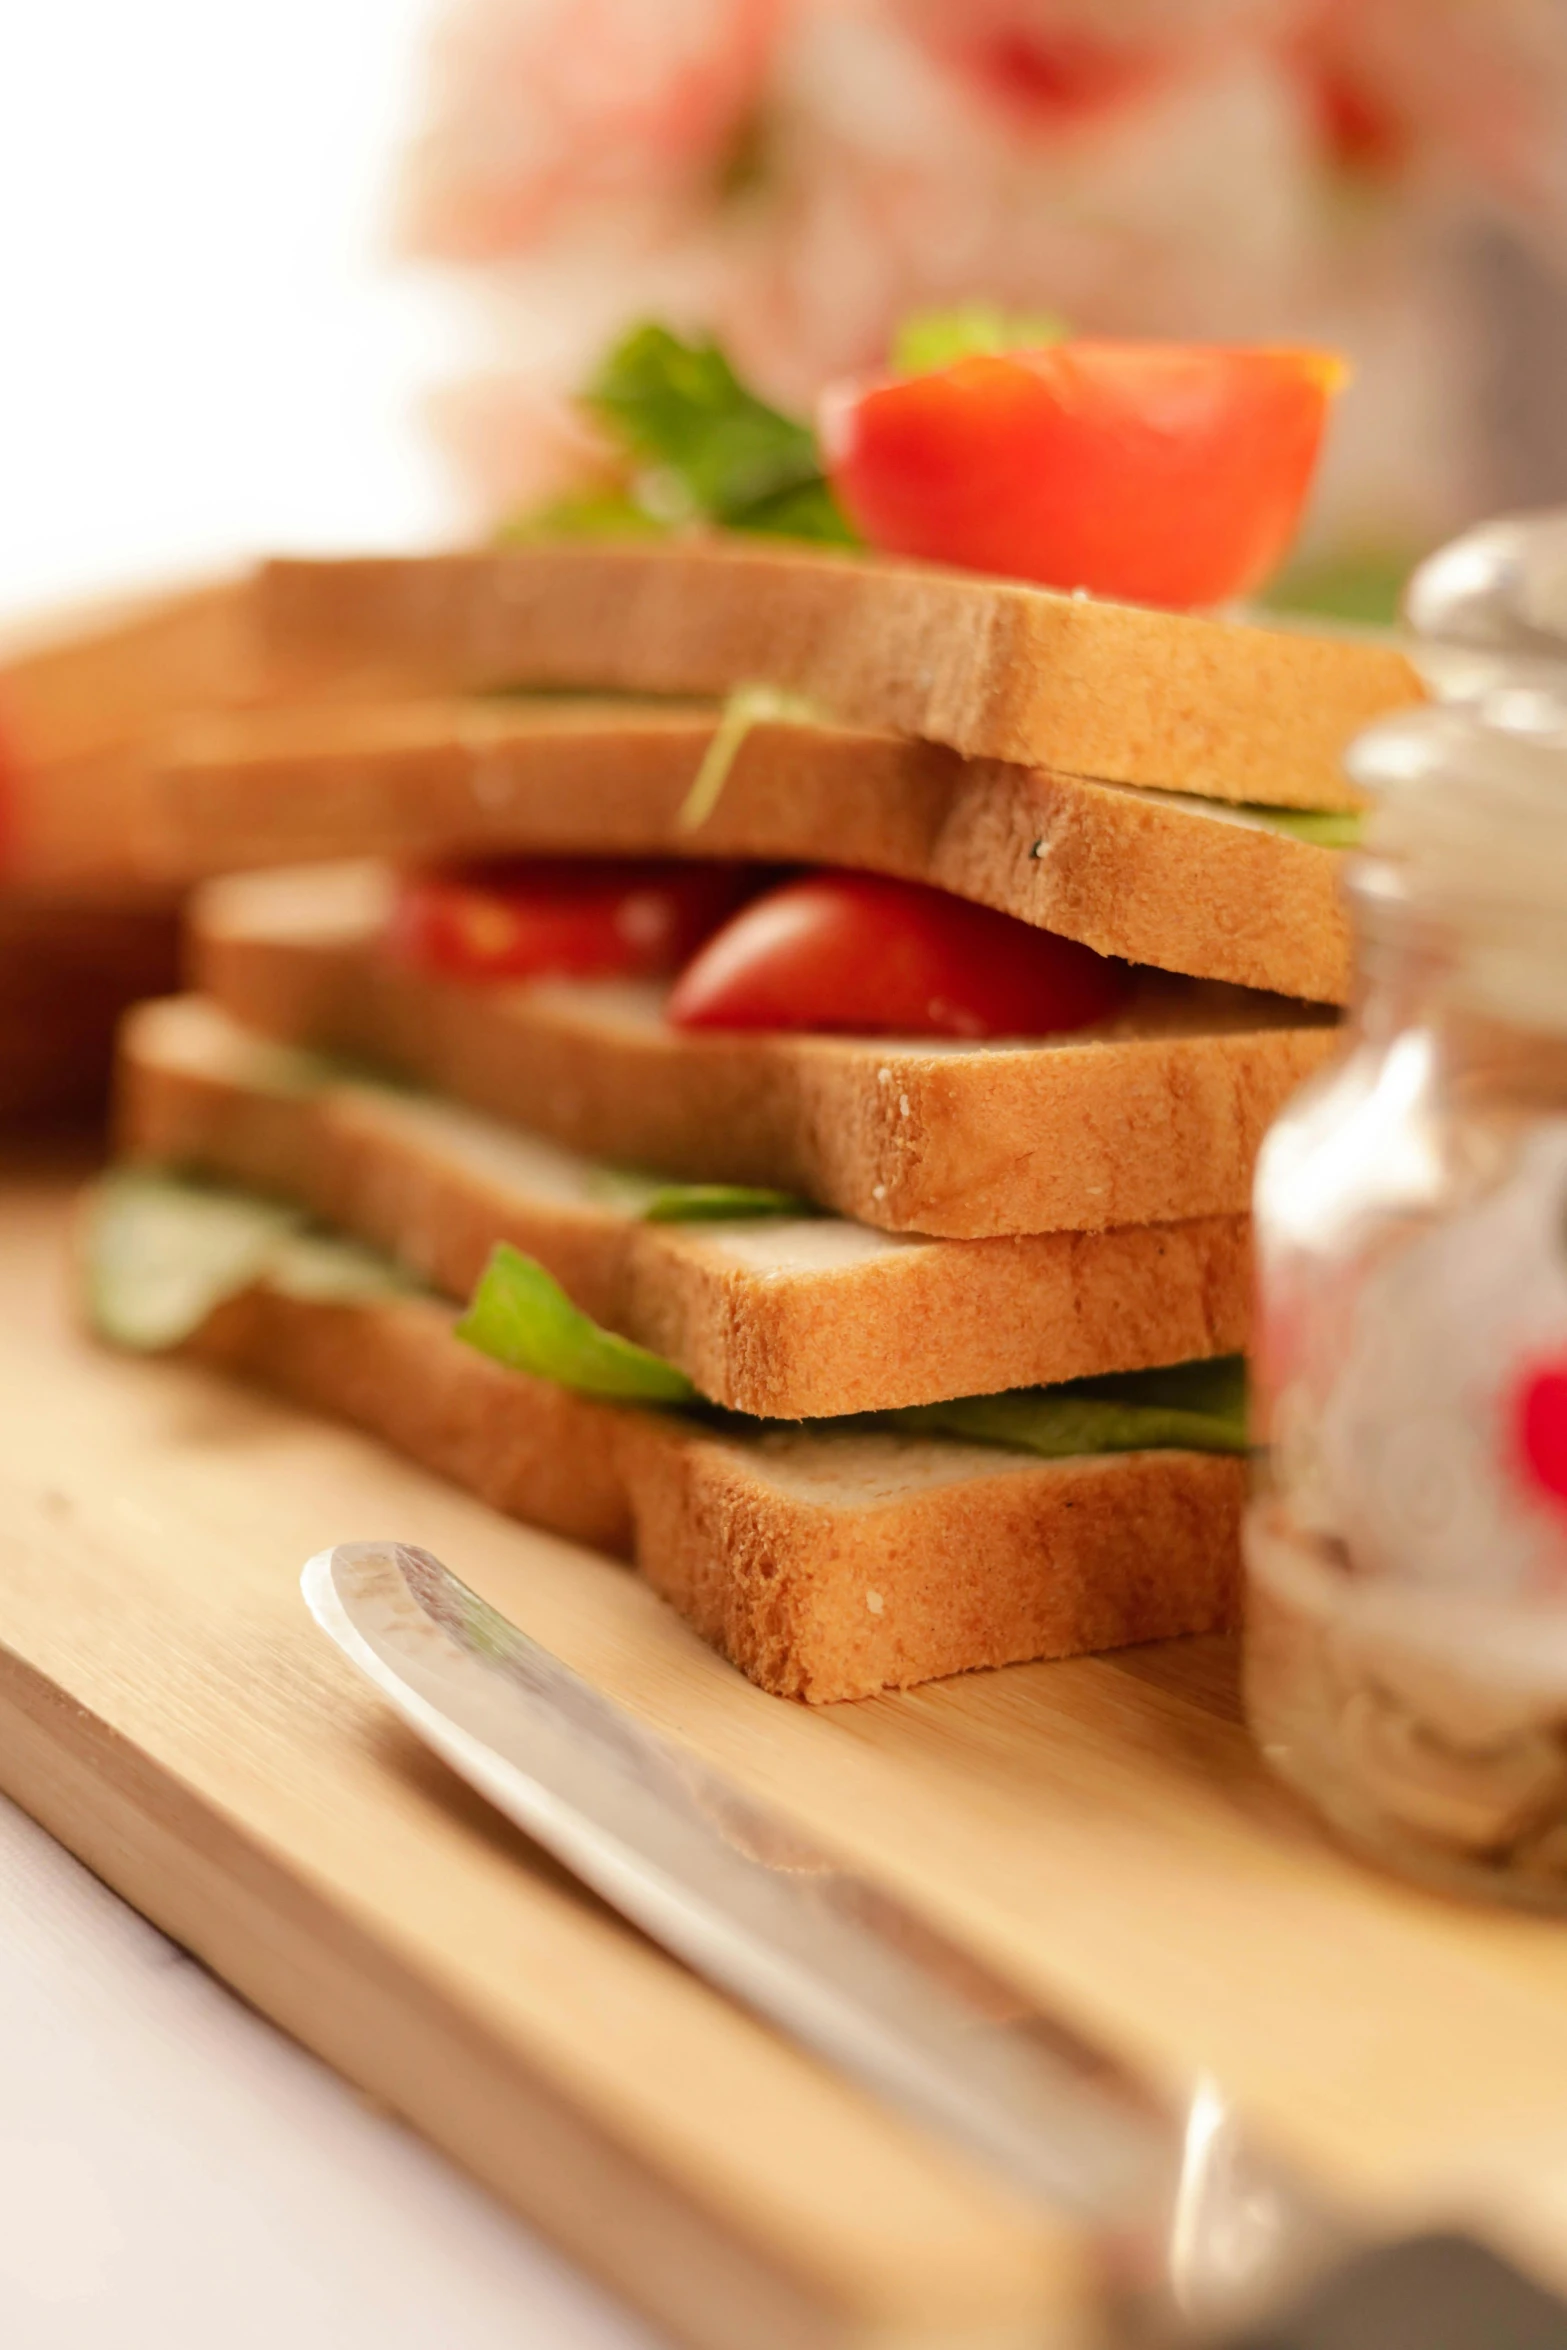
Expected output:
(1434, 2292)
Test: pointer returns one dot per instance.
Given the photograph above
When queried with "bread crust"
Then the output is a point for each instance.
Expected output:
(825, 1568)
(779, 1319)
(995, 669)
(1153, 877)
(94, 679)
(1154, 1119)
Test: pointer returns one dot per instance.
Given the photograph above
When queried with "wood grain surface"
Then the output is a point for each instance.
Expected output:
(1101, 1829)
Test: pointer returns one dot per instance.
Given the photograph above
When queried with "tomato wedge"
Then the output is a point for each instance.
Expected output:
(564, 917)
(855, 952)
(1159, 473)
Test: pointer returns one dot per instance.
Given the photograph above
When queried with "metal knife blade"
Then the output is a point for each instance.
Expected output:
(1198, 2230)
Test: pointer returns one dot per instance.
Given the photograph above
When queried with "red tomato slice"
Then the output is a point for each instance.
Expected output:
(851, 951)
(564, 917)
(1160, 473)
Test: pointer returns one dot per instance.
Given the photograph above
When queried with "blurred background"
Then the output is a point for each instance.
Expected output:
(325, 274)
(206, 347)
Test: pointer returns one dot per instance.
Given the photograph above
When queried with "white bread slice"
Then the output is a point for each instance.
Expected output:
(998, 670)
(1182, 884)
(825, 1566)
(784, 1318)
(77, 692)
(1153, 1118)
(87, 692)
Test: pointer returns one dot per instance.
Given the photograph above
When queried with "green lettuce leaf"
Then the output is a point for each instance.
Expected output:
(1193, 1407)
(809, 511)
(611, 514)
(161, 1253)
(710, 450)
(747, 706)
(680, 406)
(524, 1319)
(935, 338)
(1330, 828)
(1361, 585)
(706, 1203)
(658, 1201)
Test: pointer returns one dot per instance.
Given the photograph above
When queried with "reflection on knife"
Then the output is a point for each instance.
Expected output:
(1200, 2233)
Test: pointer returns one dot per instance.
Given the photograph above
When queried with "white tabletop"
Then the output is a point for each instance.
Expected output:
(175, 2174)
(204, 358)
(207, 352)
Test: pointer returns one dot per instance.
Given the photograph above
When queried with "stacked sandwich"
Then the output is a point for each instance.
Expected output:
(775, 1096)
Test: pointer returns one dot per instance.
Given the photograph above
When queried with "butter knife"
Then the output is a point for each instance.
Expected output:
(1201, 2233)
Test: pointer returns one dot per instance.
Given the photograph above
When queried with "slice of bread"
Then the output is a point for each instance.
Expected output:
(1180, 883)
(826, 1566)
(77, 693)
(998, 670)
(91, 678)
(1153, 1118)
(85, 696)
(784, 1318)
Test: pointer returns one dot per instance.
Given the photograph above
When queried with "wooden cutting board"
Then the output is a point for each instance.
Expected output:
(1100, 1828)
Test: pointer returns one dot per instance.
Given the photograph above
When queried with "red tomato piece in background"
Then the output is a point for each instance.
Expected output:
(1540, 1430)
(855, 952)
(1159, 473)
(564, 917)
(1048, 75)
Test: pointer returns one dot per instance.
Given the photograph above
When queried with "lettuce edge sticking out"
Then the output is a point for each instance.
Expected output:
(521, 1317)
(162, 1253)
(932, 339)
(659, 1199)
(1329, 828)
(748, 706)
(1191, 1407)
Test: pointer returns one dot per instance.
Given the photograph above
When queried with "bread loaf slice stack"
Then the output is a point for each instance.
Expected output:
(828, 1557)
(903, 1255)
(993, 668)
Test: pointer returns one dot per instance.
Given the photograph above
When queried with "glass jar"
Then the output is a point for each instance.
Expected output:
(1407, 1545)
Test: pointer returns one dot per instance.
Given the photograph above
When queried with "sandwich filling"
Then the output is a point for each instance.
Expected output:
(1145, 1115)
(748, 947)
(163, 1253)
(822, 951)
